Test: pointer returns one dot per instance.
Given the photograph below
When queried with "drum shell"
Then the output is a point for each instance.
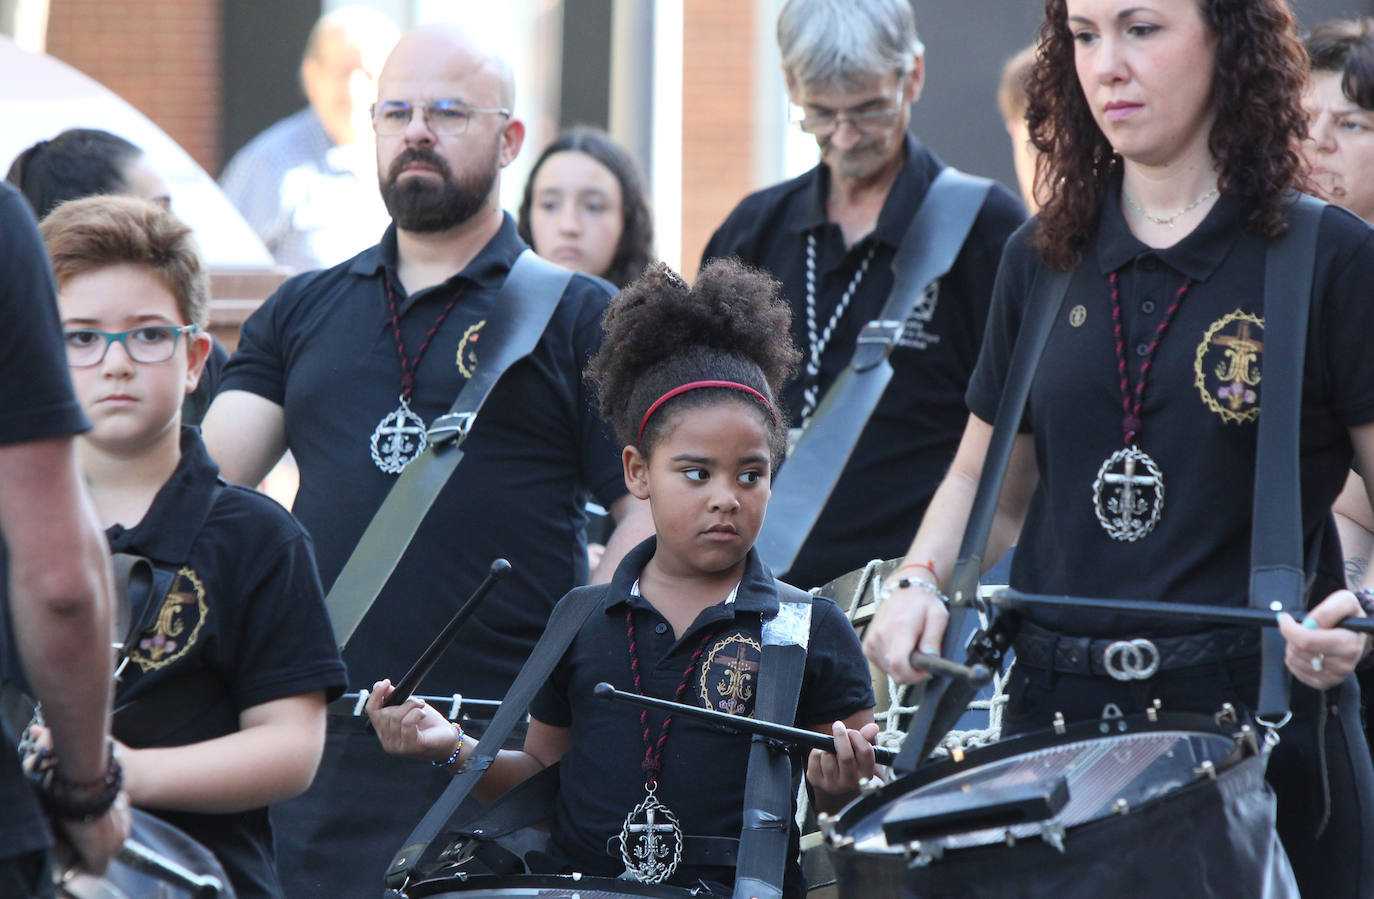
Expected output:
(1212, 838)
(123, 879)
(546, 886)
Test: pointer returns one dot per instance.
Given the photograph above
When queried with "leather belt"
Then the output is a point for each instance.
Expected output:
(1131, 658)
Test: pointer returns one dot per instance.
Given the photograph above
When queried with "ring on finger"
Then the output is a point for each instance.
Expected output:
(1319, 661)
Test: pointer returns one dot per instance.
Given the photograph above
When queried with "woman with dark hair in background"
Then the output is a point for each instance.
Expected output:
(585, 208)
(1171, 132)
(82, 162)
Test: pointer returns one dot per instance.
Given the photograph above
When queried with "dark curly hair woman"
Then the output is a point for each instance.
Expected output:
(1170, 132)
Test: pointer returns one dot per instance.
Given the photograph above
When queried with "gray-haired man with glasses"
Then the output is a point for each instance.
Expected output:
(853, 70)
(346, 365)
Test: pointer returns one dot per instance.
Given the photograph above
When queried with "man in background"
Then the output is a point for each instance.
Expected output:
(308, 184)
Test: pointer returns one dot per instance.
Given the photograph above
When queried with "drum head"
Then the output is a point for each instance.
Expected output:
(543, 886)
(1108, 768)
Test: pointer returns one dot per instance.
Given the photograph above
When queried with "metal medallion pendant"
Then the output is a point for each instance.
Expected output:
(1128, 494)
(650, 841)
(398, 439)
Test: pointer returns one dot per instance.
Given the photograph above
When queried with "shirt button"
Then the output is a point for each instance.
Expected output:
(1147, 307)
(660, 628)
(1142, 350)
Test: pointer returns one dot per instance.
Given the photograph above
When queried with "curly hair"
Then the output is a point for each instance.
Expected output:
(732, 325)
(1257, 82)
(636, 247)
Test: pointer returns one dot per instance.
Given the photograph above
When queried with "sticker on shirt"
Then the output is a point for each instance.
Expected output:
(467, 349)
(1226, 368)
(177, 626)
(729, 675)
(916, 333)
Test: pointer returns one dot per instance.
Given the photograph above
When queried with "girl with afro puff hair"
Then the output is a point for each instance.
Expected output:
(687, 377)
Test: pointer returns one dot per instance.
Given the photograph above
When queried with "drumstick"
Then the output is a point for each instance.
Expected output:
(1010, 599)
(140, 857)
(795, 735)
(978, 675)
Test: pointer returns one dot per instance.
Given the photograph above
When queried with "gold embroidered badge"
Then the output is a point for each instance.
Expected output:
(1226, 368)
(467, 349)
(729, 676)
(178, 624)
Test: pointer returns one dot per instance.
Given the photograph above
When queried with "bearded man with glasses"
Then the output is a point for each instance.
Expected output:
(853, 70)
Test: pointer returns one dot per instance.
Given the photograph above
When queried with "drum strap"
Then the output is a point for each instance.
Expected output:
(768, 783)
(565, 622)
(946, 698)
(1278, 577)
(523, 308)
(927, 252)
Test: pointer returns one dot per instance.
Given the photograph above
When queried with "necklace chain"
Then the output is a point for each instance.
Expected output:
(409, 366)
(653, 750)
(1131, 405)
(819, 341)
(1168, 220)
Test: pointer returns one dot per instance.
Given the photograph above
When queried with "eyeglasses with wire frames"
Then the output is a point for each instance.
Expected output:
(865, 120)
(147, 343)
(443, 116)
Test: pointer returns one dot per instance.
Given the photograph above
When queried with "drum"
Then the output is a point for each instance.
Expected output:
(544, 886)
(1159, 805)
(158, 861)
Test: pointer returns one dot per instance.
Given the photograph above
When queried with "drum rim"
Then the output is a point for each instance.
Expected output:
(1031, 741)
(432, 886)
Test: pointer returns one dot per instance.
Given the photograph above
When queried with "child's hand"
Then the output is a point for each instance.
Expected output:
(835, 776)
(413, 729)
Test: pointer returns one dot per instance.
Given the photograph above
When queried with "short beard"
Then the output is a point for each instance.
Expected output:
(415, 205)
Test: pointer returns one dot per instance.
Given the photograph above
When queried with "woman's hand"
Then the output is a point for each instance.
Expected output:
(1320, 654)
(909, 618)
(414, 729)
(835, 776)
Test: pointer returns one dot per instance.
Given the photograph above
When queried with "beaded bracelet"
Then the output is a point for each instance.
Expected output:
(76, 800)
(457, 750)
(902, 583)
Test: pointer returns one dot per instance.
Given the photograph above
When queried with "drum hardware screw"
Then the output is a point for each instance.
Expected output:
(576, 876)
(1227, 715)
(1121, 807)
(1059, 726)
(1053, 833)
(1152, 713)
(827, 826)
(1010, 838)
(1207, 770)
(956, 753)
(1246, 739)
(870, 785)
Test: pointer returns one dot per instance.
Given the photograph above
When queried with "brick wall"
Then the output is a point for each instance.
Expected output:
(160, 55)
(718, 117)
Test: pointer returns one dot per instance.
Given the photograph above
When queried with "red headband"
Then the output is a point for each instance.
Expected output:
(695, 385)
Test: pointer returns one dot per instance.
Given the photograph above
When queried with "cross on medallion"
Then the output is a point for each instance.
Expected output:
(1128, 513)
(1130, 505)
(398, 439)
(647, 845)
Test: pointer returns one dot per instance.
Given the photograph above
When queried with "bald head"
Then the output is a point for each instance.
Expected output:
(442, 54)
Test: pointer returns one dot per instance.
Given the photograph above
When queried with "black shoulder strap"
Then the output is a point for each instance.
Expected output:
(522, 311)
(1277, 578)
(945, 698)
(927, 252)
(768, 783)
(567, 619)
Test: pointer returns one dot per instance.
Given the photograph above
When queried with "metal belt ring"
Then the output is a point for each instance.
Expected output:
(1131, 659)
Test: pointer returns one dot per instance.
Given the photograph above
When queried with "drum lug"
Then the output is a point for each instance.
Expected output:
(1152, 711)
(1227, 715)
(827, 824)
(1111, 712)
(1207, 770)
(870, 785)
(1009, 838)
(1246, 740)
(1053, 833)
(1059, 726)
(1121, 806)
(918, 854)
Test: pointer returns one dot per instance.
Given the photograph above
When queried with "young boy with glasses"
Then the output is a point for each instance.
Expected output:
(220, 700)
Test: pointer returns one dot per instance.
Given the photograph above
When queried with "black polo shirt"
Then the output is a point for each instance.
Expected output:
(908, 443)
(1200, 409)
(702, 779)
(322, 347)
(244, 617)
(38, 404)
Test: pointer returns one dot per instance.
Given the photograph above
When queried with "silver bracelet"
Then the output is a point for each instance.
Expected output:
(902, 583)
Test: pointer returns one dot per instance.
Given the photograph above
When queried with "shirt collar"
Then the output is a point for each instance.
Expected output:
(756, 591)
(1196, 257)
(487, 269)
(919, 168)
(166, 532)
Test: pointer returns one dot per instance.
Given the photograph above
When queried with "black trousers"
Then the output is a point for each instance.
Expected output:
(1325, 819)
(26, 876)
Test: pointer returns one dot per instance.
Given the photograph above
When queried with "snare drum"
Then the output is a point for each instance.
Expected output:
(1162, 805)
(544, 886)
(158, 861)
